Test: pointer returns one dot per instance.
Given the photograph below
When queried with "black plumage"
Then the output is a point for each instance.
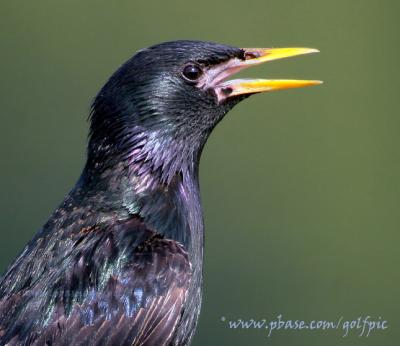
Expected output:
(120, 261)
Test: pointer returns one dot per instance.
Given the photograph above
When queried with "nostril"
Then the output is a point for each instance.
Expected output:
(227, 91)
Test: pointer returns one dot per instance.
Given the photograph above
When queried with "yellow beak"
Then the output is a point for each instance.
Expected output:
(255, 56)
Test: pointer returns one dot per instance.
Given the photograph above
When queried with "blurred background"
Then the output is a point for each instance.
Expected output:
(300, 188)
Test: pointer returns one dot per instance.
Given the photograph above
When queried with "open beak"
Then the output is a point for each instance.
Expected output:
(255, 56)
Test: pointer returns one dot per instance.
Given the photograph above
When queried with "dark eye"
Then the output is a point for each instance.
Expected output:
(192, 72)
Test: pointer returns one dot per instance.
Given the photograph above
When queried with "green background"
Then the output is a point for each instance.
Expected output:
(300, 188)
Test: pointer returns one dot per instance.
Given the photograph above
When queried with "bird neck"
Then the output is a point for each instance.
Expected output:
(146, 165)
(156, 179)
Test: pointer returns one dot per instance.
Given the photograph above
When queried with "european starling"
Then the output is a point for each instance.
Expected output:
(120, 261)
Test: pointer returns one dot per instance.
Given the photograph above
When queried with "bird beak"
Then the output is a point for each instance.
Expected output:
(255, 56)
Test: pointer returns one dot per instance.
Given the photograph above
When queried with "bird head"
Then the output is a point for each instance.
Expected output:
(162, 104)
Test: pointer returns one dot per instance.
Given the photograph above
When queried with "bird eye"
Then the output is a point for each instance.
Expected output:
(192, 72)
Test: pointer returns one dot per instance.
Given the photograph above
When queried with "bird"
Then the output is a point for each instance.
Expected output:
(119, 262)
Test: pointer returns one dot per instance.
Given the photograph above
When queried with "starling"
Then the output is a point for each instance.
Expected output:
(120, 261)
